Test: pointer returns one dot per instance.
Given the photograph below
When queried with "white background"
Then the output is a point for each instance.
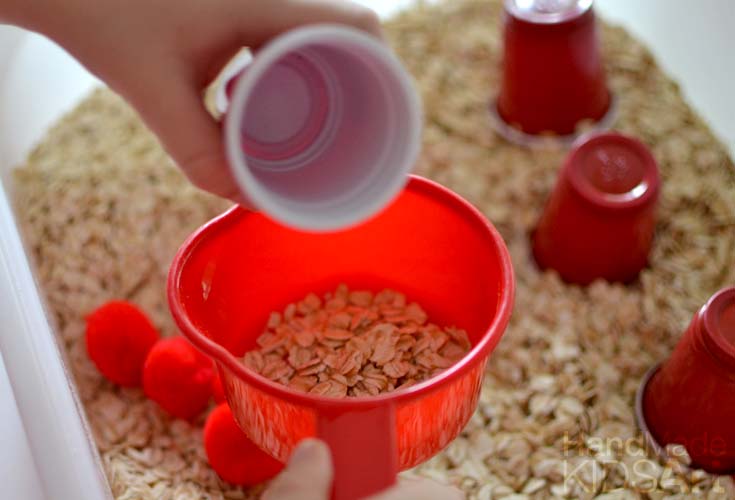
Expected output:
(694, 42)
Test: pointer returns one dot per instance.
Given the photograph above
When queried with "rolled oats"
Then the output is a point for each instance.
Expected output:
(364, 345)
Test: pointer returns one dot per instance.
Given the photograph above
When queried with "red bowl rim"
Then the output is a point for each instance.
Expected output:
(222, 356)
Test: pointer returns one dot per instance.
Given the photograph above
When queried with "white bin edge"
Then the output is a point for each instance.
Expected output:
(38, 82)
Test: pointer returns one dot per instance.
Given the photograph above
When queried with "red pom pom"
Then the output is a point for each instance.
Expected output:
(232, 455)
(119, 337)
(218, 392)
(178, 377)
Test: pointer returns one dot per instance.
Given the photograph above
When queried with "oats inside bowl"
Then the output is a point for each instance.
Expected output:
(354, 343)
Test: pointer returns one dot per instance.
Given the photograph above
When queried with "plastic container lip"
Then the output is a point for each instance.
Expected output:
(549, 141)
(267, 56)
(645, 189)
(223, 356)
(547, 11)
(717, 318)
(640, 415)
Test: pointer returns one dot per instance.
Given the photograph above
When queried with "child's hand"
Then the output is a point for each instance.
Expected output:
(308, 476)
(161, 54)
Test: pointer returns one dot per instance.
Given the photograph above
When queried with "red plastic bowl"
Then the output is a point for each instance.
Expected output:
(429, 244)
(690, 399)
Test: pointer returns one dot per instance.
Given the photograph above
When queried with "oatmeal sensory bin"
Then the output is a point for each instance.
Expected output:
(354, 344)
(104, 211)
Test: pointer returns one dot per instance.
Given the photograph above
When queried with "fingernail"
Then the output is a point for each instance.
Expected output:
(306, 451)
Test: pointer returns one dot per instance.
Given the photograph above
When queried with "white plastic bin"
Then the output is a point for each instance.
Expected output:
(38, 82)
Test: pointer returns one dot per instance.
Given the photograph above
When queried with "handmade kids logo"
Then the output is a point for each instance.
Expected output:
(706, 445)
(599, 465)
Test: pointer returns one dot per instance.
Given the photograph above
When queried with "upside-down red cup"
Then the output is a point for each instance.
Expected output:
(322, 127)
(429, 244)
(552, 72)
(600, 218)
(690, 399)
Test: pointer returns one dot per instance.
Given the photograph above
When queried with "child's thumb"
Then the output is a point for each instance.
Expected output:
(308, 475)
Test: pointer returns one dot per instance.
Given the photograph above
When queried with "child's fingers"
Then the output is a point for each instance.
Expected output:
(308, 475)
(170, 98)
(173, 108)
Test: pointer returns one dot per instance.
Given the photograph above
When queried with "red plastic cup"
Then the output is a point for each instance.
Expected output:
(553, 76)
(690, 399)
(429, 244)
(322, 128)
(600, 219)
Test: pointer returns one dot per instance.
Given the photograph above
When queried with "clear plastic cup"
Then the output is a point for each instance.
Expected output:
(322, 128)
